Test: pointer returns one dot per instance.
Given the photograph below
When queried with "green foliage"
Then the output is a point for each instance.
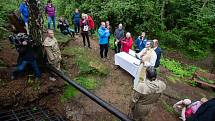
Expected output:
(177, 69)
(61, 38)
(68, 93)
(91, 70)
(207, 80)
(87, 64)
(88, 82)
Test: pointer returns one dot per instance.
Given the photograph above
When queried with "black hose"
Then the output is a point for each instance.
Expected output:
(93, 97)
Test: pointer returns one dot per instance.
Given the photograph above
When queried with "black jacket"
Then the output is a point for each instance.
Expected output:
(206, 112)
(158, 52)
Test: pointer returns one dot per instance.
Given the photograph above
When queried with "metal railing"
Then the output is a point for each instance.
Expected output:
(30, 114)
(93, 97)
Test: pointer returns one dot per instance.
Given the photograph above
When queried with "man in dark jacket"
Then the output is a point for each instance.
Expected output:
(63, 25)
(76, 19)
(27, 56)
(206, 112)
(119, 35)
(158, 52)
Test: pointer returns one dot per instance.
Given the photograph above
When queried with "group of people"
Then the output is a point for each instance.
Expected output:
(147, 88)
(28, 55)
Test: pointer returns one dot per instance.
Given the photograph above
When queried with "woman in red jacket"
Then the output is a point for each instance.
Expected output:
(127, 43)
(85, 28)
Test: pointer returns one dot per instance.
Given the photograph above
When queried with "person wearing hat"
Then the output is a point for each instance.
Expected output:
(181, 107)
(146, 95)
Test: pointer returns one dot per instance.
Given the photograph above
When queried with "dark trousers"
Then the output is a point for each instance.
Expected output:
(85, 36)
(76, 27)
(103, 50)
(20, 68)
(117, 47)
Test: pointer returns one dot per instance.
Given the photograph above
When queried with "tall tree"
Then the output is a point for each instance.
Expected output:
(36, 26)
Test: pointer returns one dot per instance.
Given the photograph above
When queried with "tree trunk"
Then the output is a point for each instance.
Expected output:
(36, 26)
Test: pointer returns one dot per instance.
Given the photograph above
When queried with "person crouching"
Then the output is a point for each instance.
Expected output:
(144, 97)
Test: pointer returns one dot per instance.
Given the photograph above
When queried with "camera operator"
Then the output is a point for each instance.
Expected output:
(27, 55)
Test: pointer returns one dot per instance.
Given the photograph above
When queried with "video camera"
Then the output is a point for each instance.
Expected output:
(17, 40)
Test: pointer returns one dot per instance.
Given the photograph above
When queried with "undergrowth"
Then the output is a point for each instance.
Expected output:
(167, 107)
(87, 63)
(177, 68)
(89, 83)
(90, 68)
(181, 73)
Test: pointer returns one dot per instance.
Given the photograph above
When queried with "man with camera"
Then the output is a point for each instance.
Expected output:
(140, 42)
(27, 55)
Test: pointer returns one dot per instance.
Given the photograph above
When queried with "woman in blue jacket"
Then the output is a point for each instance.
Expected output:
(103, 40)
(23, 8)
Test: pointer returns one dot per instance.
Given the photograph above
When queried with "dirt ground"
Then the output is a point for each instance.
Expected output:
(116, 89)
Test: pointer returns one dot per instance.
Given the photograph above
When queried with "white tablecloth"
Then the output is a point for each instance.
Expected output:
(127, 62)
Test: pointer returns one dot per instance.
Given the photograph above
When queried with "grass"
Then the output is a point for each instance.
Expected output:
(177, 68)
(173, 78)
(207, 80)
(90, 70)
(88, 82)
(87, 63)
(167, 107)
(61, 38)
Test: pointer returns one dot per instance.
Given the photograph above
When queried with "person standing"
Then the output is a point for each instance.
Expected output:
(158, 52)
(148, 58)
(50, 10)
(23, 8)
(109, 28)
(52, 50)
(144, 97)
(127, 43)
(27, 55)
(84, 23)
(76, 19)
(118, 35)
(103, 39)
(140, 42)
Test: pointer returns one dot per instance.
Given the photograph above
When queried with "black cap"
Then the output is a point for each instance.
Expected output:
(151, 73)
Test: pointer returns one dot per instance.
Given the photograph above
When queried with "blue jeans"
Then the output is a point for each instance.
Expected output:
(68, 31)
(51, 19)
(20, 68)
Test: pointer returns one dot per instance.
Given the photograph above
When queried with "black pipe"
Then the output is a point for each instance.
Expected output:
(93, 97)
